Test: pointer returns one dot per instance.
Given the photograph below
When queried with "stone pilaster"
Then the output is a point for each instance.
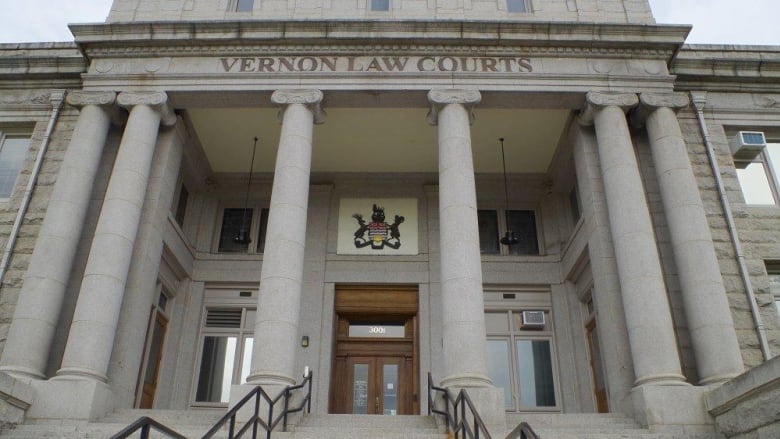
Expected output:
(281, 278)
(40, 300)
(91, 337)
(710, 323)
(645, 303)
(463, 321)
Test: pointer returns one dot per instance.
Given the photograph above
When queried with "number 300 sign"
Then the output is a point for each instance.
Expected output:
(376, 330)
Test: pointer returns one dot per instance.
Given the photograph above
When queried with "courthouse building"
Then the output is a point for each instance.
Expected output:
(555, 204)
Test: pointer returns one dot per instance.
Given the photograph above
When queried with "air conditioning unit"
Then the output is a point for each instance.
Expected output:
(533, 320)
(746, 145)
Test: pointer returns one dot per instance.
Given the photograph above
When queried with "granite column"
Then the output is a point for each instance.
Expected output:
(710, 324)
(645, 303)
(281, 278)
(91, 337)
(37, 312)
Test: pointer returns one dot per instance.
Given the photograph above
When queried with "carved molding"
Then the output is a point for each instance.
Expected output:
(440, 97)
(30, 98)
(81, 98)
(309, 97)
(595, 101)
(674, 101)
(157, 100)
(767, 101)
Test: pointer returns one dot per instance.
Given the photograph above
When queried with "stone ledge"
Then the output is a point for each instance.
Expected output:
(760, 379)
(16, 396)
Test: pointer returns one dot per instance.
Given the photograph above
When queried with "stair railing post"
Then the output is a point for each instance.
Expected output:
(256, 417)
(232, 427)
(286, 407)
(145, 431)
(270, 417)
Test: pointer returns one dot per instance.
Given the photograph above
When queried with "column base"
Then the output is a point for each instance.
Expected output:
(70, 399)
(670, 409)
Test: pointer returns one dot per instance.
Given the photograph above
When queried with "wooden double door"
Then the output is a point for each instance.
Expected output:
(375, 356)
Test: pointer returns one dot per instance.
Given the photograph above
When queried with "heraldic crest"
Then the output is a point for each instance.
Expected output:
(380, 233)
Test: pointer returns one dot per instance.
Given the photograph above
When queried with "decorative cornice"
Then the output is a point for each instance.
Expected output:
(157, 100)
(310, 98)
(439, 98)
(595, 101)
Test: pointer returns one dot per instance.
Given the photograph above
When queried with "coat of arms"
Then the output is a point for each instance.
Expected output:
(378, 233)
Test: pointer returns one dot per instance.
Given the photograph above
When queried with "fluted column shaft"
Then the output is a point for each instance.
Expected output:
(40, 300)
(281, 278)
(710, 324)
(463, 307)
(92, 331)
(645, 303)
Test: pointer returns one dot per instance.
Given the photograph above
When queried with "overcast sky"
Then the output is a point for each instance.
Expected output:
(714, 21)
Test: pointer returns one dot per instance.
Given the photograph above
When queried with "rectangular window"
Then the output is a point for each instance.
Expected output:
(261, 231)
(516, 6)
(226, 352)
(245, 5)
(13, 152)
(380, 5)
(234, 222)
(574, 205)
(521, 361)
(521, 222)
(759, 177)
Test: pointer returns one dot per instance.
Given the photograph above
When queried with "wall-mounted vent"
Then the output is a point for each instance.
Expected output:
(533, 320)
(746, 145)
(223, 318)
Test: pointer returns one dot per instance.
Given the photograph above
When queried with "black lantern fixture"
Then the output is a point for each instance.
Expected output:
(242, 236)
(509, 237)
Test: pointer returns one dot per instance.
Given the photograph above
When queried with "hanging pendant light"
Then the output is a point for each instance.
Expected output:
(242, 236)
(509, 237)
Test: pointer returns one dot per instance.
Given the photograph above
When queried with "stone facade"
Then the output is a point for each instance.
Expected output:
(634, 250)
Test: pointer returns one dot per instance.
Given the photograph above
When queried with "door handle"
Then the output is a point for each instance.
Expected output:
(376, 405)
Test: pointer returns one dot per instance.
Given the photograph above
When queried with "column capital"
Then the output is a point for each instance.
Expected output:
(157, 100)
(104, 99)
(650, 102)
(441, 97)
(311, 98)
(595, 101)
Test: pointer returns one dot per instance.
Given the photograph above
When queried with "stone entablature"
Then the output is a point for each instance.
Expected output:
(625, 11)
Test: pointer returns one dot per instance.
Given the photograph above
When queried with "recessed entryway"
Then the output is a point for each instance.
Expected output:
(375, 357)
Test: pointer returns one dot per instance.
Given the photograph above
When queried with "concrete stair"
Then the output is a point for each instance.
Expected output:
(194, 423)
(595, 426)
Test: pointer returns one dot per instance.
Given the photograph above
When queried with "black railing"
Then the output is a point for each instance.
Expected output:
(522, 431)
(145, 425)
(460, 415)
(255, 422)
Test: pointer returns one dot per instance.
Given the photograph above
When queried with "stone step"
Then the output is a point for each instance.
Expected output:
(367, 421)
(181, 417)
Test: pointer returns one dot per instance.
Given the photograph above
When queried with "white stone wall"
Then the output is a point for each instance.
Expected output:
(608, 11)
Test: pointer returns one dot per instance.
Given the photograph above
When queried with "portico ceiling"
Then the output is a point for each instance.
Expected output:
(380, 139)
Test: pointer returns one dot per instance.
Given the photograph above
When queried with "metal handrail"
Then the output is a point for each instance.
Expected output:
(522, 431)
(457, 420)
(257, 393)
(145, 424)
